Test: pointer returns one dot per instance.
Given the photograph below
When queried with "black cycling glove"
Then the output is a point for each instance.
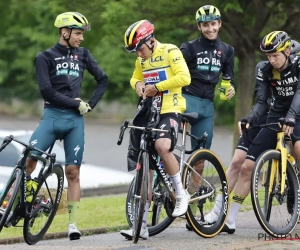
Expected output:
(289, 121)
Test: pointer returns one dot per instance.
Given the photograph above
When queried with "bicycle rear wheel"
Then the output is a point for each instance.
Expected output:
(44, 205)
(8, 197)
(275, 212)
(207, 181)
(140, 194)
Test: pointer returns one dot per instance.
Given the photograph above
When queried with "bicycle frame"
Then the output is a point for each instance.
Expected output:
(47, 161)
(181, 147)
(275, 167)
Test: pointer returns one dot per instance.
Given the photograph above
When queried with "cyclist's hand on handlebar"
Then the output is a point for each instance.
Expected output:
(287, 124)
(139, 88)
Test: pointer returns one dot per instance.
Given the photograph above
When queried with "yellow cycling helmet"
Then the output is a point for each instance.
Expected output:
(207, 13)
(137, 34)
(276, 41)
(73, 20)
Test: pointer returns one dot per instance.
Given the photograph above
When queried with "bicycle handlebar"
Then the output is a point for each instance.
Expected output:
(8, 139)
(147, 130)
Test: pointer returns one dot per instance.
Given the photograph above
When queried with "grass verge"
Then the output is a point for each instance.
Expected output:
(94, 212)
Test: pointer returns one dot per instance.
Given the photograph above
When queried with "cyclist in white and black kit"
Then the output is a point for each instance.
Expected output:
(59, 73)
(281, 73)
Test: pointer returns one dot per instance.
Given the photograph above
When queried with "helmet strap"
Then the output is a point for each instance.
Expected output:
(68, 39)
(286, 58)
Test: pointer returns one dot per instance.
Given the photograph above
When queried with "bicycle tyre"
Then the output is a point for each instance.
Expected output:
(141, 192)
(216, 177)
(14, 181)
(38, 213)
(265, 218)
(160, 218)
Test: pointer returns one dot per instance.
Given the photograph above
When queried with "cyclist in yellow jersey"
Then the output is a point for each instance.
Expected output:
(160, 70)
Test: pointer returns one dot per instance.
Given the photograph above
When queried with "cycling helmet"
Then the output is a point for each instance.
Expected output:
(207, 13)
(295, 47)
(137, 34)
(276, 41)
(73, 20)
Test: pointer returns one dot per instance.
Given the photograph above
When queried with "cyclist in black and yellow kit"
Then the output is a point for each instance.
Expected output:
(59, 73)
(281, 73)
(243, 145)
(160, 71)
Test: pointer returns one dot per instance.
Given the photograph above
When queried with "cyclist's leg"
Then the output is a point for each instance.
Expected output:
(242, 187)
(162, 146)
(205, 120)
(235, 166)
(71, 128)
(204, 123)
(43, 137)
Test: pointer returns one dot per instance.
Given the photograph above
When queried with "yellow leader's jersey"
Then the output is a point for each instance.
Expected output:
(167, 69)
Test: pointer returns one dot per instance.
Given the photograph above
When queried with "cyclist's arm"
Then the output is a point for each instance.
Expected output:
(48, 93)
(294, 110)
(186, 53)
(101, 78)
(180, 70)
(137, 75)
(229, 65)
(262, 94)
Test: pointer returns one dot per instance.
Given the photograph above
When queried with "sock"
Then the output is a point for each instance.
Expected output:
(176, 180)
(145, 216)
(235, 207)
(218, 205)
(73, 207)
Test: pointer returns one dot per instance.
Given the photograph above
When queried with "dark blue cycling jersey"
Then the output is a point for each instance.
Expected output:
(206, 60)
(59, 72)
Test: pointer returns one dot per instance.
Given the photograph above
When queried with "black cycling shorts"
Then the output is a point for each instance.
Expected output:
(166, 121)
(244, 143)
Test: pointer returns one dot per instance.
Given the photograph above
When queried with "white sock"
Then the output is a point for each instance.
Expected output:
(145, 216)
(233, 212)
(176, 180)
(218, 205)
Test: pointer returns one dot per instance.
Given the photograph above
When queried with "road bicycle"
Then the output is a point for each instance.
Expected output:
(275, 187)
(38, 214)
(202, 186)
(158, 216)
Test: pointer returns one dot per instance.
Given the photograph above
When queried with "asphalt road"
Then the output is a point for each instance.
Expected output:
(248, 235)
(101, 141)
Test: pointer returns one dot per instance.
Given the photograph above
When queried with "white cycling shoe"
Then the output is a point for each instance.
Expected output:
(211, 217)
(73, 232)
(144, 234)
(182, 203)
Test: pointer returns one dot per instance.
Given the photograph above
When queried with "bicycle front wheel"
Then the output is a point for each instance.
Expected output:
(276, 212)
(8, 197)
(204, 177)
(160, 211)
(44, 205)
(140, 194)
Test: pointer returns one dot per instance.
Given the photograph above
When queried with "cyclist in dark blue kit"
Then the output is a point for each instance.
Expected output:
(207, 58)
(59, 73)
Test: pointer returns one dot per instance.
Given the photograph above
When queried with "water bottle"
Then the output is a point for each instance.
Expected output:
(225, 85)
